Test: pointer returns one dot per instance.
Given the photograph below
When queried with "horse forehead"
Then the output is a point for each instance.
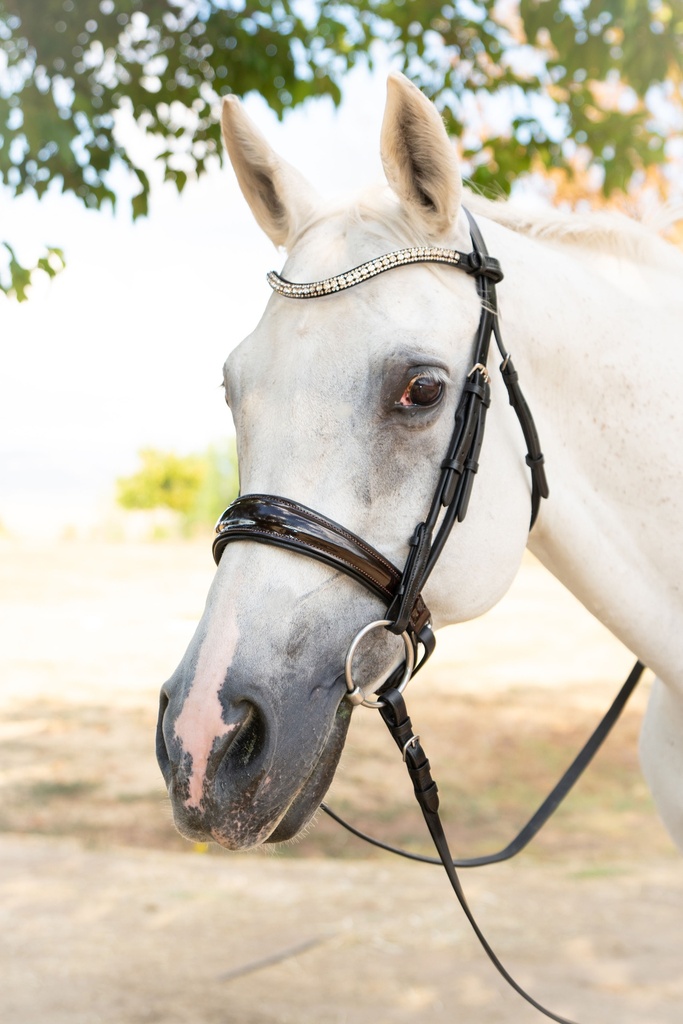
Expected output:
(410, 299)
(327, 247)
(425, 309)
(332, 351)
(296, 358)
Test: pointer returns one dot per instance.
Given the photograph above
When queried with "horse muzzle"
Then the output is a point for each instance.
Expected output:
(264, 774)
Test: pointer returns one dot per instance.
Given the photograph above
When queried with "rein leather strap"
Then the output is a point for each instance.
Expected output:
(545, 810)
(396, 718)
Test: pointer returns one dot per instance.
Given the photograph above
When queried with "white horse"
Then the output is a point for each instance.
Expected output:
(253, 721)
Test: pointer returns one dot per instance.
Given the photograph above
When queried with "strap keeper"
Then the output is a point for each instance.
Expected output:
(457, 465)
(480, 390)
(535, 460)
(417, 535)
(484, 266)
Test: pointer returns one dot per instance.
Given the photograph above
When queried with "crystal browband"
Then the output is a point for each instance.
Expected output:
(399, 258)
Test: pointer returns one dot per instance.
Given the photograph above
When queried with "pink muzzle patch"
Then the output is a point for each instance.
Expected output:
(200, 723)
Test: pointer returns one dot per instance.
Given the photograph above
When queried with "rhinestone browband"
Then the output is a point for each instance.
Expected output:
(399, 258)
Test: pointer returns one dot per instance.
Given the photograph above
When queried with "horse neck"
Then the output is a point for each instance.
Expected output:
(597, 343)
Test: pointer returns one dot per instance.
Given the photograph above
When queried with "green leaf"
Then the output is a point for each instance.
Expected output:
(140, 205)
(69, 86)
(16, 279)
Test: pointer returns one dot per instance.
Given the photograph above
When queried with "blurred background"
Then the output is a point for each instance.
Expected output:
(129, 268)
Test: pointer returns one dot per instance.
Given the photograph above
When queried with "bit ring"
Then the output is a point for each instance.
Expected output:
(355, 694)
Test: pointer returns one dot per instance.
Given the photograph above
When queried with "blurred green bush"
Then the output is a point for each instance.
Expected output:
(196, 487)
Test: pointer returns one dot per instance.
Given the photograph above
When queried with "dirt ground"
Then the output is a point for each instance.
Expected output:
(106, 915)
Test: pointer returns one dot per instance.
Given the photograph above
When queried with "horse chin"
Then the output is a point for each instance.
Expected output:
(259, 817)
(303, 807)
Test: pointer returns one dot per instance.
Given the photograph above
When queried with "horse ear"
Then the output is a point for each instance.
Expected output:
(418, 157)
(280, 198)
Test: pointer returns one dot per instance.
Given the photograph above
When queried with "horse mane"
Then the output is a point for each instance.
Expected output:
(605, 231)
(379, 212)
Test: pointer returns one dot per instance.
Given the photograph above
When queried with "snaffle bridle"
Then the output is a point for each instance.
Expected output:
(274, 520)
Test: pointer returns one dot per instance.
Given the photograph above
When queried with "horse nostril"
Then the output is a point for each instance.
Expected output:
(161, 748)
(248, 744)
(241, 748)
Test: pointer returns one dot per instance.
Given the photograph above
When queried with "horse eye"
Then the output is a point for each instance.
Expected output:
(422, 391)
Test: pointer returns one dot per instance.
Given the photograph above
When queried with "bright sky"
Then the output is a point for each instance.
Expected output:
(125, 348)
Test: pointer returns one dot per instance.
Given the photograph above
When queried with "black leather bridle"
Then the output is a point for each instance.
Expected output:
(285, 523)
(274, 520)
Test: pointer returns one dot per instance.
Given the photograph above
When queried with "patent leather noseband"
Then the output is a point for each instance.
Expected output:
(268, 519)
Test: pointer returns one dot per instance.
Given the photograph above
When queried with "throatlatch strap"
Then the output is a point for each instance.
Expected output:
(534, 459)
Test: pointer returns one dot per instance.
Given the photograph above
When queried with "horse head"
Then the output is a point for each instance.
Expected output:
(344, 404)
